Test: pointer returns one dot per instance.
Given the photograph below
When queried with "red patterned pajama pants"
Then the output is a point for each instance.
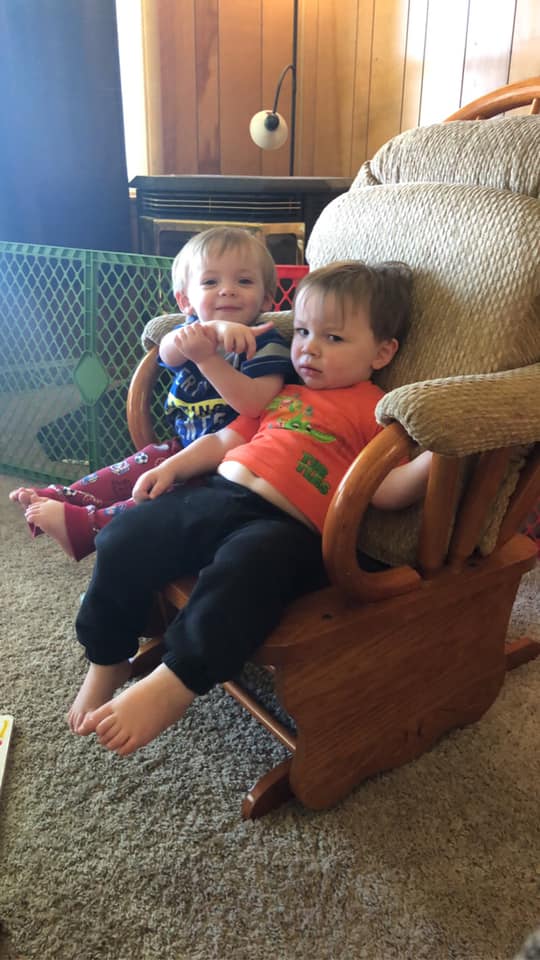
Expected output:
(92, 502)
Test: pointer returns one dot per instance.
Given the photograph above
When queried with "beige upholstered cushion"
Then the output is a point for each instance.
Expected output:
(474, 252)
(157, 327)
(501, 153)
(457, 416)
(476, 278)
(393, 537)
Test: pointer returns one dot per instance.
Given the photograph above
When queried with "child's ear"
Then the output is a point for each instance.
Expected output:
(386, 351)
(267, 302)
(183, 303)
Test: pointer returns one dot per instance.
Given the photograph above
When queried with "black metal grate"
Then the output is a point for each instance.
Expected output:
(269, 208)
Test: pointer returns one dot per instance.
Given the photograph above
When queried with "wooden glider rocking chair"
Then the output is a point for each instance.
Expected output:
(377, 666)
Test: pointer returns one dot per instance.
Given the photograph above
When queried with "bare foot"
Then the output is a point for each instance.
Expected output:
(141, 712)
(49, 516)
(97, 688)
(23, 495)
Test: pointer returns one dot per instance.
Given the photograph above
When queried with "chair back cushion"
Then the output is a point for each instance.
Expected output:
(500, 153)
(474, 253)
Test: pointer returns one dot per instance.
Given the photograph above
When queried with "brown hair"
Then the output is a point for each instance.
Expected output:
(384, 289)
(216, 241)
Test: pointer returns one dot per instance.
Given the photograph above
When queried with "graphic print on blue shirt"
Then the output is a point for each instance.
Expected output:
(194, 406)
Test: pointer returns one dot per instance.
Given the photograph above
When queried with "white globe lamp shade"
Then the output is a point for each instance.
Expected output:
(268, 130)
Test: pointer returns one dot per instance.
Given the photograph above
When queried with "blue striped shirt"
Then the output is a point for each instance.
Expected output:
(193, 406)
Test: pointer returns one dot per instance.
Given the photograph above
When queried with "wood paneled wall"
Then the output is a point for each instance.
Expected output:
(210, 65)
(367, 69)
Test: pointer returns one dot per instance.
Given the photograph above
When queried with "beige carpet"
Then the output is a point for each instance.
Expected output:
(147, 859)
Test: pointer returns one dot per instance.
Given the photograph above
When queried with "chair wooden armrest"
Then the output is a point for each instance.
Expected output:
(513, 95)
(139, 400)
(346, 510)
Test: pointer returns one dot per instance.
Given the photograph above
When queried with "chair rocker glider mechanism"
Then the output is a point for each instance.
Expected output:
(377, 666)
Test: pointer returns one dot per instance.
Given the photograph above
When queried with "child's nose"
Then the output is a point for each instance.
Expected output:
(226, 288)
(311, 346)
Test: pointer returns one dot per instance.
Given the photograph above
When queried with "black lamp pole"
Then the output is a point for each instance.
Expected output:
(265, 125)
(293, 87)
(272, 120)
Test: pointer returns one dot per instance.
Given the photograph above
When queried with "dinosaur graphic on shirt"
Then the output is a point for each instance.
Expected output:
(299, 420)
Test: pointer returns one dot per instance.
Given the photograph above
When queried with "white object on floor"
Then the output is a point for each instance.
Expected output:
(6, 726)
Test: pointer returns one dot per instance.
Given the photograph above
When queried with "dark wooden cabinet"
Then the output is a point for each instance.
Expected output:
(282, 210)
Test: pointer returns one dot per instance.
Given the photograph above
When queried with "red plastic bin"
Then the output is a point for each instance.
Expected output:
(289, 276)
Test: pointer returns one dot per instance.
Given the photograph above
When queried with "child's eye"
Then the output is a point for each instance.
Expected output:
(300, 332)
(246, 281)
(334, 338)
(209, 282)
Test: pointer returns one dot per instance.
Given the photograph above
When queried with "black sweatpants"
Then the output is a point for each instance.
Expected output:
(252, 560)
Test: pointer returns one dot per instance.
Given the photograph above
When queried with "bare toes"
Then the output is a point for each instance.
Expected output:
(23, 495)
(107, 729)
(119, 745)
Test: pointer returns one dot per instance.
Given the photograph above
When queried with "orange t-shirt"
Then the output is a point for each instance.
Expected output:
(306, 440)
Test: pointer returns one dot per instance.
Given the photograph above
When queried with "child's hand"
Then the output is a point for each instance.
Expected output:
(196, 341)
(236, 337)
(153, 483)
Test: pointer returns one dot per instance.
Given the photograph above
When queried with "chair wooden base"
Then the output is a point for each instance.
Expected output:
(273, 789)
(426, 662)
(520, 651)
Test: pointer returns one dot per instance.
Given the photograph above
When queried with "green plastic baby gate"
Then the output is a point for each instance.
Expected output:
(71, 322)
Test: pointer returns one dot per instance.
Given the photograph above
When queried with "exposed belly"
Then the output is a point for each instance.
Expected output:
(238, 473)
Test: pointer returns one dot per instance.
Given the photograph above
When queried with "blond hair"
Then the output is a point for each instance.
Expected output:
(214, 242)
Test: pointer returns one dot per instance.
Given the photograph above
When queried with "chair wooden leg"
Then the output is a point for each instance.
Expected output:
(263, 716)
(273, 788)
(269, 792)
(520, 651)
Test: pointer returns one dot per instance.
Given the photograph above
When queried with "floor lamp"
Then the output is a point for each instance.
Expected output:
(267, 128)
